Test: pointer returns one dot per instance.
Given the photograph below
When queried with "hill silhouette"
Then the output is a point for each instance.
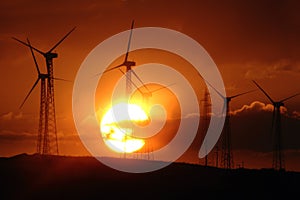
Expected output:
(59, 177)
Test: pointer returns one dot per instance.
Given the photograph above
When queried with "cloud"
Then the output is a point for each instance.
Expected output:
(11, 116)
(192, 115)
(19, 115)
(296, 115)
(257, 106)
(7, 116)
(271, 70)
(286, 66)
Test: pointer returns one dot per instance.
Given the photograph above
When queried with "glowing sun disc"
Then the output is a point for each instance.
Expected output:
(116, 128)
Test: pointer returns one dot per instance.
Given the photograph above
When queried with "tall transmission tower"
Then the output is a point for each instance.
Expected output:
(276, 131)
(47, 131)
(226, 151)
(207, 112)
(206, 117)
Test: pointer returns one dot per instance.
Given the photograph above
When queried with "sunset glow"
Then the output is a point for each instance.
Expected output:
(247, 40)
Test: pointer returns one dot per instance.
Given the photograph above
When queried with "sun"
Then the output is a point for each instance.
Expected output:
(117, 127)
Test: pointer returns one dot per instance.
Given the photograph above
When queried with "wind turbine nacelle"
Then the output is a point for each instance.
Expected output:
(51, 55)
(44, 76)
(278, 104)
(129, 63)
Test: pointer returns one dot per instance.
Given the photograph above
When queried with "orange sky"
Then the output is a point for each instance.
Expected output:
(247, 40)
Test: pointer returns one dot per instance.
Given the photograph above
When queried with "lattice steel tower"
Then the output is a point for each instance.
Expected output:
(226, 151)
(276, 131)
(206, 117)
(47, 142)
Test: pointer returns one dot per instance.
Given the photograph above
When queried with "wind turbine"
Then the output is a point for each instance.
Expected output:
(227, 156)
(49, 117)
(49, 55)
(128, 64)
(43, 137)
(278, 154)
(41, 131)
(146, 97)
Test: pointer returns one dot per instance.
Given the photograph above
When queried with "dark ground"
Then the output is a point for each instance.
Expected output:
(57, 177)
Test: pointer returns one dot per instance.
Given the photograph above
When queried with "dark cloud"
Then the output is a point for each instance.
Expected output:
(11, 135)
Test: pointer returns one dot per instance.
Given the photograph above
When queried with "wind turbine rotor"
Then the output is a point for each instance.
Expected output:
(264, 92)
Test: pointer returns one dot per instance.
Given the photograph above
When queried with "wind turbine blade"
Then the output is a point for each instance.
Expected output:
(28, 45)
(61, 79)
(132, 82)
(129, 41)
(62, 40)
(241, 94)
(156, 90)
(215, 89)
(36, 82)
(289, 97)
(109, 69)
(263, 91)
(140, 80)
(113, 68)
(35, 62)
